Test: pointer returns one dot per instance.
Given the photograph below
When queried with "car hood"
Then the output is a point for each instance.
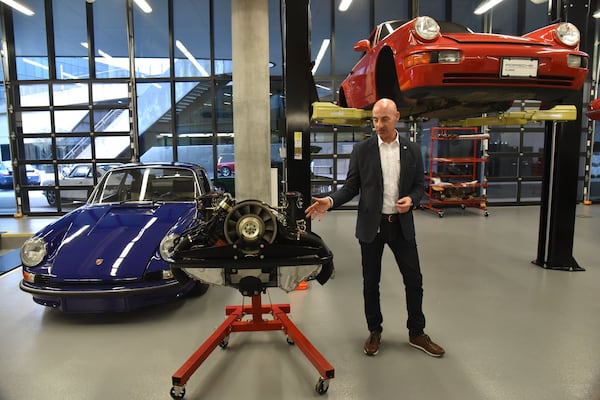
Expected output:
(491, 39)
(115, 242)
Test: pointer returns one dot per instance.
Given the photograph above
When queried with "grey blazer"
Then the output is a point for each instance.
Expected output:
(365, 178)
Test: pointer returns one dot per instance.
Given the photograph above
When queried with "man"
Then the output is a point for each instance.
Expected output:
(387, 171)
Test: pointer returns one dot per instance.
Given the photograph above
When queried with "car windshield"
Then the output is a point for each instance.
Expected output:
(146, 184)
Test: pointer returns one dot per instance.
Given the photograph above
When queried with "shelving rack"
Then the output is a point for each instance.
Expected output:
(455, 176)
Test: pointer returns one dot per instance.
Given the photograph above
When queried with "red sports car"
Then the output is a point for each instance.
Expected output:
(444, 70)
(594, 109)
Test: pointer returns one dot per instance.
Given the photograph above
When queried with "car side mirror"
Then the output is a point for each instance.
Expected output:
(362, 45)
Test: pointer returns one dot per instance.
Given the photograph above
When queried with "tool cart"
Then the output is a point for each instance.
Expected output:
(455, 174)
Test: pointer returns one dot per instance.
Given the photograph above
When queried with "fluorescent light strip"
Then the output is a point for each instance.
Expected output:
(143, 5)
(344, 5)
(190, 57)
(486, 5)
(320, 55)
(596, 14)
(19, 7)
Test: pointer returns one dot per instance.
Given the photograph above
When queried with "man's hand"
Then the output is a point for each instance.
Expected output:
(404, 204)
(318, 208)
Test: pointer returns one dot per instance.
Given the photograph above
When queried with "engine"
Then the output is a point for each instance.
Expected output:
(251, 245)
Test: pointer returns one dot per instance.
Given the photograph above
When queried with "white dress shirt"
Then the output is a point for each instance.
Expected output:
(390, 168)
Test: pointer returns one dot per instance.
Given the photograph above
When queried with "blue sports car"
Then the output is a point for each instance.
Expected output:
(109, 254)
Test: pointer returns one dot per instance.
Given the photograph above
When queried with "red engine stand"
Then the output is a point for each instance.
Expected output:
(234, 323)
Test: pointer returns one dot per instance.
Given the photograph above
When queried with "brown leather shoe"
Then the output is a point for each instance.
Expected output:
(425, 343)
(371, 347)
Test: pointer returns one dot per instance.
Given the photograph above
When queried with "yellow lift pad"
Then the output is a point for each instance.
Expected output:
(331, 114)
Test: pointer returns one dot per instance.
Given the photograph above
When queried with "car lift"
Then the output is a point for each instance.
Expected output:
(236, 323)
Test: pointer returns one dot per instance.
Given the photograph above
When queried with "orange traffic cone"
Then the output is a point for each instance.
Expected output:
(302, 286)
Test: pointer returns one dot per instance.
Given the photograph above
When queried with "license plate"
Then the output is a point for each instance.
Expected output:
(519, 68)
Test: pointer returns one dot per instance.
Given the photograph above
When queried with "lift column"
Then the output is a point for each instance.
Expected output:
(299, 95)
(561, 158)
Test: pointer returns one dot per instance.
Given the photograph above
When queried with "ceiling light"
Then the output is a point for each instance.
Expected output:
(190, 57)
(143, 5)
(344, 5)
(485, 6)
(320, 55)
(19, 7)
(596, 14)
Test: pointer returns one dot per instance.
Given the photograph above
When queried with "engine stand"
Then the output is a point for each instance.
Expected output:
(235, 323)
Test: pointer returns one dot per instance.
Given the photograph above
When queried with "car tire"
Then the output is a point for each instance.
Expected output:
(225, 171)
(51, 197)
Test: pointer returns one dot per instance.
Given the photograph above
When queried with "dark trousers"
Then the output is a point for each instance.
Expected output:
(407, 258)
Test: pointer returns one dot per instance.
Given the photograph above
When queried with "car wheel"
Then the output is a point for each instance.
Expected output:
(199, 289)
(225, 171)
(387, 79)
(51, 197)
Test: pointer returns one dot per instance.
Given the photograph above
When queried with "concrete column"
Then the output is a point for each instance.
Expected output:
(251, 110)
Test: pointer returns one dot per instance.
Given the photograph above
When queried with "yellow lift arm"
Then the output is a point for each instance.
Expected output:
(331, 114)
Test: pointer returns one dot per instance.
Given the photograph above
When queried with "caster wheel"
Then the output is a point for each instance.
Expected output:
(322, 386)
(289, 341)
(463, 206)
(441, 214)
(224, 343)
(486, 214)
(177, 392)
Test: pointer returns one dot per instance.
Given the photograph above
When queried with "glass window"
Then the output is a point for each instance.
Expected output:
(34, 95)
(110, 39)
(531, 191)
(67, 121)
(154, 121)
(502, 192)
(191, 30)
(320, 37)
(222, 32)
(112, 120)
(36, 149)
(73, 147)
(435, 9)
(502, 167)
(69, 94)
(70, 39)
(386, 10)
(536, 15)
(113, 148)
(151, 41)
(36, 122)
(504, 142)
(462, 13)
(30, 43)
(350, 27)
(110, 93)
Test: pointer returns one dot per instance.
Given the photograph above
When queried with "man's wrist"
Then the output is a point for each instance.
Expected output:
(330, 202)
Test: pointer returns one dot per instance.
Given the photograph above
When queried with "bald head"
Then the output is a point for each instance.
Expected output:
(385, 117)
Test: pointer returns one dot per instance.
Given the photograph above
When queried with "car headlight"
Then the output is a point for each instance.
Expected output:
(426, 28)
(167, 245)
(33, 251)
(568, 34)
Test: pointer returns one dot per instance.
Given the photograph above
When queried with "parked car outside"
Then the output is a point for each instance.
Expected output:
(444, 70)
(33, 174)
(108, 255)
(79, 175)
(6, 178)
(225, 165)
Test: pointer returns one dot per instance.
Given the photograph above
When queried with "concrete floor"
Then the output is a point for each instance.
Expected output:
(511, 330)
